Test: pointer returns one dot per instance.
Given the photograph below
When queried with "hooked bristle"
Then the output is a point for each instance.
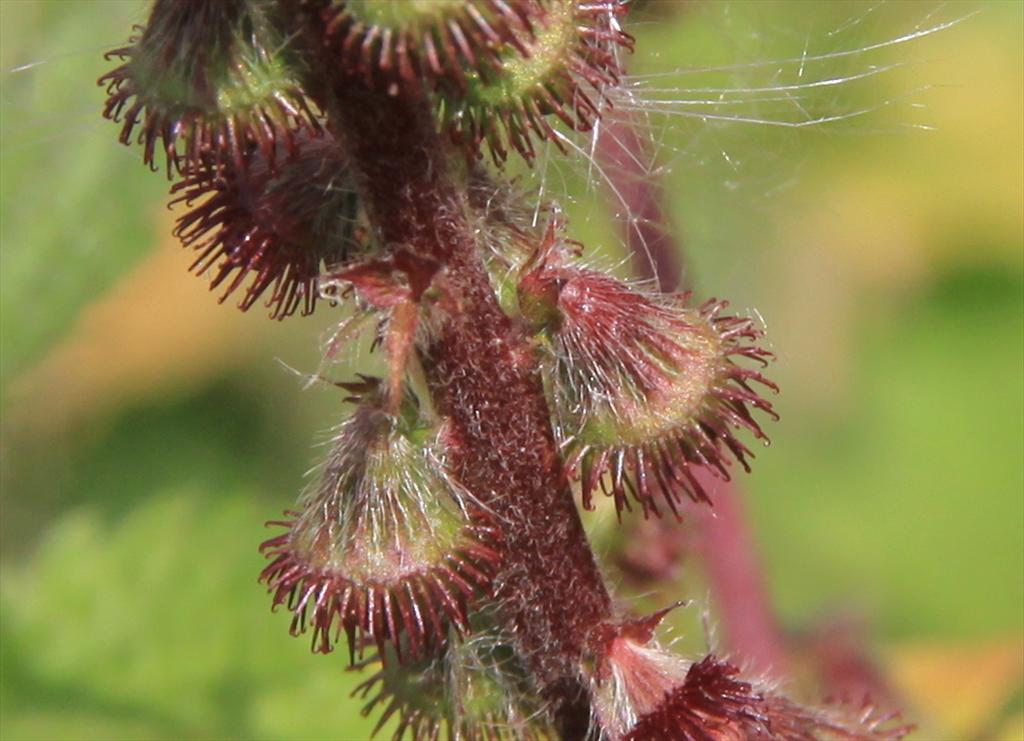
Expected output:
(422, 43)
(715, 703)
(279, 226)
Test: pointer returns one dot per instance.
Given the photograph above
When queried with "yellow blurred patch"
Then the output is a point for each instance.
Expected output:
(158, 329)
(900, 205)
(1013, 729)
(960, 690)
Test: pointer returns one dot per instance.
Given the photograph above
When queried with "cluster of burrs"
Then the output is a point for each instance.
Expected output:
(387, 546)
(218, 92)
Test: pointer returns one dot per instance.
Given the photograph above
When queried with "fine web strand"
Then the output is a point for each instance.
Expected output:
(856, 78)
(849, 78)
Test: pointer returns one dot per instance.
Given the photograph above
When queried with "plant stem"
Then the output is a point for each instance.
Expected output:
(724, 536)
(733, 567)
(484, 379)
(627, 164)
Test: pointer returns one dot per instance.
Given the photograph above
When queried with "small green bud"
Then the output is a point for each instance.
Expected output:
(568, 61)
(209, 81)
(643, 387)
(404, 44)
(385, 546)
(472, 689)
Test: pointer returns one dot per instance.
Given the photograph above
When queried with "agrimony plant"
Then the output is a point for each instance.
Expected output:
(354, 150)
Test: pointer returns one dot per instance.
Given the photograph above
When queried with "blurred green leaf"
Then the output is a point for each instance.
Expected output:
(912, 507)
(217, 438)
(76, 207)
(133, 611)
(152, 625)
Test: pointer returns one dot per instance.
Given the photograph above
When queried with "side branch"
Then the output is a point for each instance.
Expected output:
(724, 536)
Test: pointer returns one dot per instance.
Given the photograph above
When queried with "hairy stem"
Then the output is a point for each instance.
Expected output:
(484, 379)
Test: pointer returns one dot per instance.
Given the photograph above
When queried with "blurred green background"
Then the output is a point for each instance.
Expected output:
(147, 432)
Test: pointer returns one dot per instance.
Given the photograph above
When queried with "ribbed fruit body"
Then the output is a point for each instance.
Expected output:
(643, 387)
(384, 547)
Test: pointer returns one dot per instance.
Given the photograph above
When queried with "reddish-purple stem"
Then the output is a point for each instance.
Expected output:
(484, 379)
(734, 571)
(626, 159)
(723, 534)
